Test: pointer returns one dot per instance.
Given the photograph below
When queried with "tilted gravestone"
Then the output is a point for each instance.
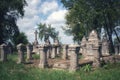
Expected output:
(73, 50)
(20, 48)
(3, 51)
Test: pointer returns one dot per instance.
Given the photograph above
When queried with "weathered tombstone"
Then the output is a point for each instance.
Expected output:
(83, 47)
(43, 56)
(57, 46)
(20, 48)
(49, 48)
(74, 50)
(54, 51)
(35, 49)
(105, 47)
(29, 51)
(116, 49)
(3, 52)
(93, 53)
(65, 52)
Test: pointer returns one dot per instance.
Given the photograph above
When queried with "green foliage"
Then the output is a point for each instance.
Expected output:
(86, 15)
(10, 11)
(86, 68)
(21, 38)
(36, 56)
(11, 71)
(46, 32)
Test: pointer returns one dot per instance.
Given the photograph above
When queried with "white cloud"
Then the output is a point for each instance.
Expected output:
(56, 17)
(48, 6)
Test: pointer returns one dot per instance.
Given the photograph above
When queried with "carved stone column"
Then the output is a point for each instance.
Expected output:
(21, 58)
(29, 51)
(65, 52)
(3, 52)
(43, 56)
(54, 51)
(74, 50)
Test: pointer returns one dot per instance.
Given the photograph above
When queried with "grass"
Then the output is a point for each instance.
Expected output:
(11, 71)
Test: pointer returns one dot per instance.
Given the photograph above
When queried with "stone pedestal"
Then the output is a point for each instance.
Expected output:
(29, 51)
(43, 56)
(21, 58)
(83, 47)
(96, 61)
(58, 50)
(54, 51)
(74, 50)
(49, 51)
(3, 52)
(65, 52)
(105, 47)
(93, 46)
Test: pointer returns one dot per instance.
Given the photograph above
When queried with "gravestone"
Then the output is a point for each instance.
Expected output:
(117, 49)
(35, 49)
(54, 51)
(3, 52)
(20, 48)
(93, 45)
(73, 50)
(43, 56)
(29, 51)
(65, 52)
(83, 47)
(49, 51)
(105, 47)
(56, 42)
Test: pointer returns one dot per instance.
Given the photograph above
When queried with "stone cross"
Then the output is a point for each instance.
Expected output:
(36, 41)
(43, 56)
(73, 50)
(21, 58)
(3, 52)
(65, 52)
(29, 51)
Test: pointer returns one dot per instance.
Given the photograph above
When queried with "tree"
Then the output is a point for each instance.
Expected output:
(10, 11)
(46, 32)
(21, 38)
(93, 14)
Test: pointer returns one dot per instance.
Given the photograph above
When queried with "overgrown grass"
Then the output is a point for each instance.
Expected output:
(11, 71)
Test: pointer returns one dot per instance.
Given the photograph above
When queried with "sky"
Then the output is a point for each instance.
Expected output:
(44, 11)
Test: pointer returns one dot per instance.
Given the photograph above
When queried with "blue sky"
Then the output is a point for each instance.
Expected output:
(44, 11)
